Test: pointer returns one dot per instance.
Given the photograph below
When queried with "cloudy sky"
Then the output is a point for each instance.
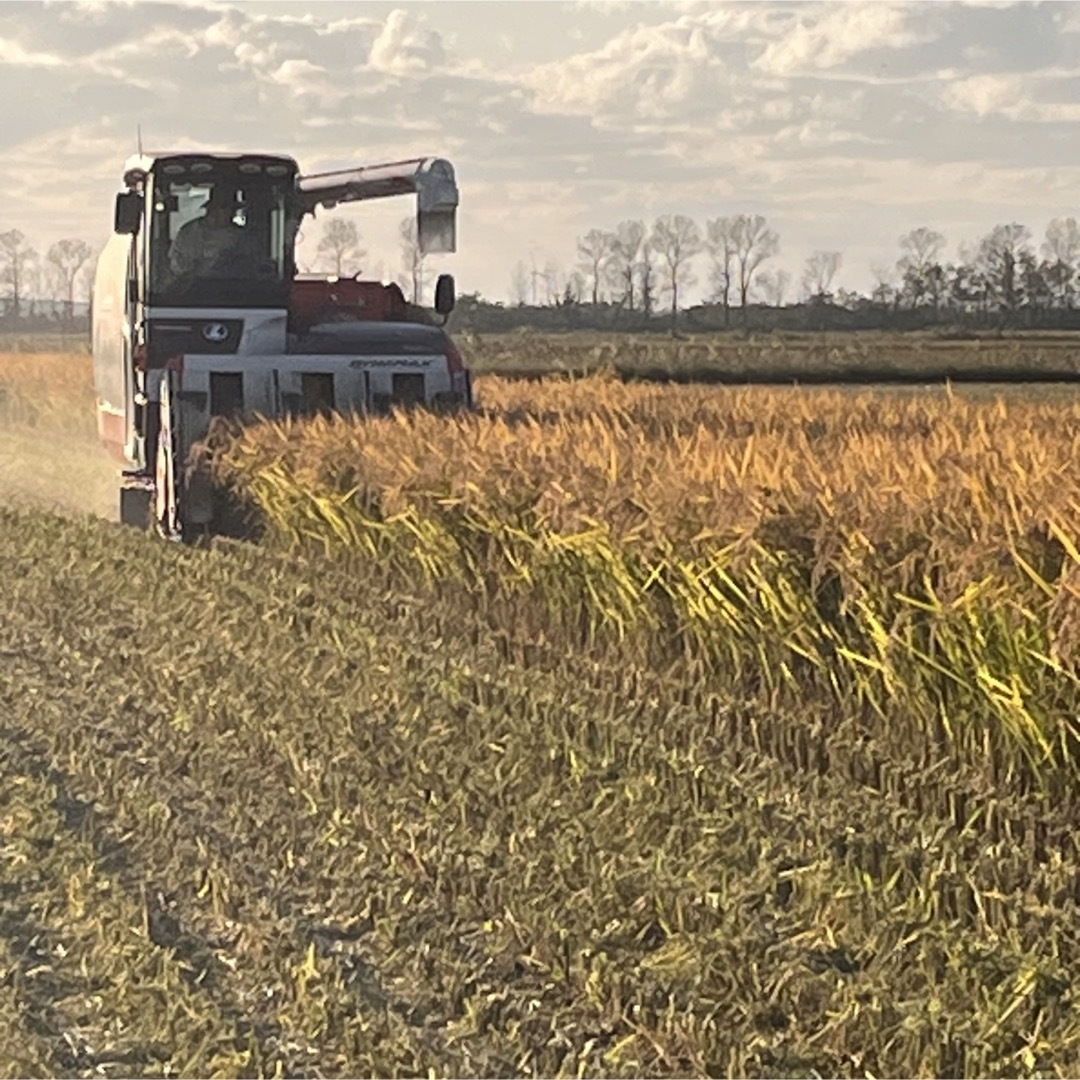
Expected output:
(846, 124)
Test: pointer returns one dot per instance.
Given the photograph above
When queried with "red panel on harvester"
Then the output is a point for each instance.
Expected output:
(316, 300)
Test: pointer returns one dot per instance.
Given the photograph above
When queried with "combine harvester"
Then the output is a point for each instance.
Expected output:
(198, 312)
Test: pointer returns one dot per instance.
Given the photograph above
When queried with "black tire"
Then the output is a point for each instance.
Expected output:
(136, 507)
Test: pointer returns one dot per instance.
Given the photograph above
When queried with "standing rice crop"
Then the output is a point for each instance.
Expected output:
(912, 559)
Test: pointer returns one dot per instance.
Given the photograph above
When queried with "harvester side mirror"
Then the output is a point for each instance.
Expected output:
(129, 211)
(444, 294)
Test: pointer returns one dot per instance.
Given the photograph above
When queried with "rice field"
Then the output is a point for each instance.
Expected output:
(906, 562)
(860, 356)
(612, 730)
(50, 455)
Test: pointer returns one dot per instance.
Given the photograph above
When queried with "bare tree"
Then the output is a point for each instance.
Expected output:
(535, 277)
(39, 283)
(999, 254)
(721, 244)
(646, 270)
(818, 274)
(1036, 282)
(16, 258)
(67, 258)
(676, 240)
(519, 284)
(552, 278)
(1061, 249)
(412, 258)
(341, 243)
(920, 271)
(624, 262)
(773, 287)
(594, 249)
(884, 291)
(1062, 243)
(574, 289)
(921, 247)
(970, 288)
(754, 243)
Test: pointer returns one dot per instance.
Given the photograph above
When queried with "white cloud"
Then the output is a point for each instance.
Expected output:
(836, 120)
(820, 133)
(11, 52)
(406, 47)
(714, 63)
(648, 72)
(293, 72)
(229, 30)
(828, 34)
(983, 94)
(127, 60)
(85, 166)
(1013, 96)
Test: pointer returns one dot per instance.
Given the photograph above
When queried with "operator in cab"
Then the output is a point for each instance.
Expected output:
(213, 245)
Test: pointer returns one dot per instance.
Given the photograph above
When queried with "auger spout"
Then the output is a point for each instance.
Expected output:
(430, 179)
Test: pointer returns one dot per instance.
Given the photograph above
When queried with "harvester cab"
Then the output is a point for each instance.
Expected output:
(198, 312)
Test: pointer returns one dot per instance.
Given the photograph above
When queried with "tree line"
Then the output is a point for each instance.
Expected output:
(43, 287)
(634, 276)
(628, 275)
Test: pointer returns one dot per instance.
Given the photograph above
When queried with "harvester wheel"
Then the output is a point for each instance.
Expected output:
(135, 507)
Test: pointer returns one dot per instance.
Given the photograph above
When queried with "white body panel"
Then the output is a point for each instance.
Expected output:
(273, 384)
(111, 330)
(264, 328)
(269, 380)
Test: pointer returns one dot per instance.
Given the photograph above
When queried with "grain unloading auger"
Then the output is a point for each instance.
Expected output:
(198, 312)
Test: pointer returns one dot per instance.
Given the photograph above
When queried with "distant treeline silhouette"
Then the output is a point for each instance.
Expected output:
(625, 276)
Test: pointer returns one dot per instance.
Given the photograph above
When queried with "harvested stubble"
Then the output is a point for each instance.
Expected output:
(907, 561)
(387, 849)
